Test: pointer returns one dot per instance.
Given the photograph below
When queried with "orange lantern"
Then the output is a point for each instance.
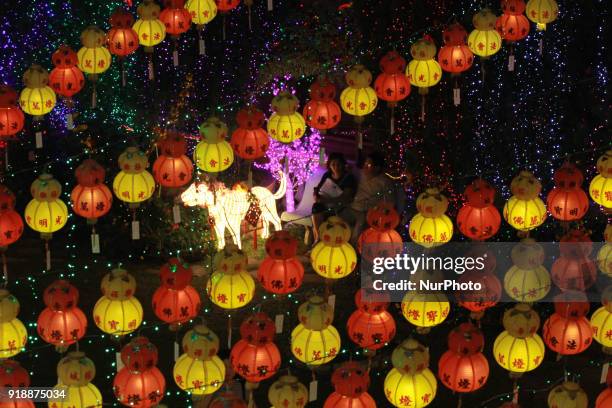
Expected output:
(455, 56)
(370, 326)
(11, 117)
(91, 198)
(480, 300)
(351, 382)
(567, 201)
(512, 25)
(567, 336)
(172, 168)
(177, 20)
(225, 6)
(574, 270)
(13, 375)
(392, 85)
(478, 219)
(322, 112)
(11, 224)
(122, 39)
(176, 301)
(255, 357)
(66, 78)
(250, 141)
(281, 272)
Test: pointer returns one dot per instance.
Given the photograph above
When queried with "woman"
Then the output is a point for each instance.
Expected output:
(334, 192)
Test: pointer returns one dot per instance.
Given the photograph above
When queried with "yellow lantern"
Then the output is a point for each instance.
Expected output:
(133, 184)
(604, 255)
(199, 377)
(202, 11)
(46, 213)
(13, 334)
(430, 226)
(410, 383)
(333, 262)
(567, 395)
(231, 286)
(94, 58)
(200, 343)
(601, 320)
(542, 12)
(117, 317)
(286, 124)
(9, 306)
(425, 310)
(288, 392)
(484, 40)
(600, 188)
(315, 313)
(213, 153)
(315, 347)
(525, 210)
(118, 284)
(527, 285)
(75, 369)
(151, 31)
(78, 397)
(37, 98)
(359, 98)
(424, 71)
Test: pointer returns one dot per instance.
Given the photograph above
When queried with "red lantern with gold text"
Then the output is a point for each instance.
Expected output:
(322, 112)
(139, 383)
(66, 78)
(463, 368)
(568, 331)
(371, 326)
(11, 116)
(13, 375)
(567, 201)
(11, 224)
(172, 168)
(574, 270)
(62, 323)
(255, 357)
(176, 301)
(478, 219)
(250, 141)
(91, 198)
(455, 56)
(122, 38)
(281, 272)
(177, 20)
(351, 382)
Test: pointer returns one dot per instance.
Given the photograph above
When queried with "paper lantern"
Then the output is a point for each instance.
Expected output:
(604, 255)
(139, 354)
(567, 336)
(315, 313)
(13, 335)
(175, 17)
(567, 201)
(91, 198)
(424, 71)
(76, 369)
(227, 400)
(570, 273)
(512, 25)
(334, 231)
(122, 39)
(374, 243)
(151, 31)
(601, 321)
(11, 117)
(525, 211)
(225, 6)
(118, 312)
(202, 11)
(12, 374)
(200, 343)
(425, 310)
(250, 141)
(382, 216)
(392, 85)
(333, 262)
(484, 40)
(430, 226)
(478, 219)
(410, 382)
(176, 306)
(315, 347)
(78, 396)
(280, 276)
(462, 373)
(231, 286)
(568, 394)
(604, 400)
(141, 389)
(66, 78)
(286, 125)
(322, 112)
(351, 382)
(199, 377)
(255, 357)
(600, 188)
(46, 213)
(175, 274)
(213, 154)
(11, 224)
(288, 392)
(37, 98)
(61, 323)
(455, 56)
(172, 172)
(281, 245)
(542, 12)
(478, 301)
(118, 284)
(94, 58)
(358, 99)
(133, 184)
(371, 331)
(527, 285)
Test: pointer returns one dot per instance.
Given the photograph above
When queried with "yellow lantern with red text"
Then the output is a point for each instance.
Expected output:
(46, 213)
(151, 31)
(288, 392)
(358, 99)
(424, 71)
(37, 98)
(231, 286)
(600, 188)
(484, 40)
(542, 12)
(525, 211)
(430, 226)
(13, 334)
(94, 58)
(285, 124)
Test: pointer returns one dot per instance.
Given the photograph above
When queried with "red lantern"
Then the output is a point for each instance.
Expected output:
(463, 373)
(604, 399)
(512, 25)
(567, 336)
(371, 331)
(281, 245)
(66, 78)
(60, 295)
(281, 276)
(142, 389)
(250, 141)
(371, 301)
(11, 116)
(574, 273)
(571, 305)
(374, 243)
(480, 300)
(478, 219)
(175, 274)
(172, 172)
(351, 382)
(176, 306)
(567, 201)
(139, 354)
(11, 224)
(122, 39)
(382, 216)
(62, 323)
(227, 400)
(466, 339)
(322, 112)
(225, 6)
(455, 56)
(12, 375)
(175, 17)
(255, 357)
(392, 85)
(91, 198)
